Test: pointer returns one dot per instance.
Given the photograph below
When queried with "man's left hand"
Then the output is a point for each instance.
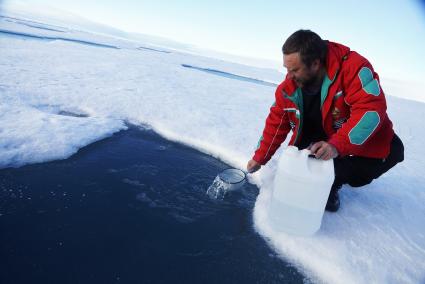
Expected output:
(323, 150)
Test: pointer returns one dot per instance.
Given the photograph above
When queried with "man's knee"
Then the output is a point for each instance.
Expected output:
(396, 151)
(360, 171)
(360, 182)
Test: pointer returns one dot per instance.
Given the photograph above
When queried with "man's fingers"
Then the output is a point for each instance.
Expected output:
(315, 147)
(323, 150)
(327, 156)
(324, 153)
(320, 153)
(253, 166)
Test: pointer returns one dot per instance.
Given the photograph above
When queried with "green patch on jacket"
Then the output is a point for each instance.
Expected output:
(259, 142)
(369, 84)
(364, 128)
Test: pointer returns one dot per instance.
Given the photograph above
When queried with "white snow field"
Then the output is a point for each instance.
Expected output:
(63, 87)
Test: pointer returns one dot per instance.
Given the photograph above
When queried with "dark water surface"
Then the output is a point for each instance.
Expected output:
(130, 209)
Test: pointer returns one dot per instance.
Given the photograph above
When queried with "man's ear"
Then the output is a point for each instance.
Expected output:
(316, 64)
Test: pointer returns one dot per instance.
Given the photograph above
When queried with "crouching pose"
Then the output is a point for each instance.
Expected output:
(332, 101)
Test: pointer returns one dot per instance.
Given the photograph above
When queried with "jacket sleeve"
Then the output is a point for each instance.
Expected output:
(275, 131)
(366, 99)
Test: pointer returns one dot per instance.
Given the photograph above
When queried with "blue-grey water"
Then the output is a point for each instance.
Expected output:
(130, 209)
(231, 75)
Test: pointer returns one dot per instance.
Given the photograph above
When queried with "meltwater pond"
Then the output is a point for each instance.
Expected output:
(130, 209)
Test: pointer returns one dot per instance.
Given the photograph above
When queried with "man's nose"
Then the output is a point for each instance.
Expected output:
(290, 75)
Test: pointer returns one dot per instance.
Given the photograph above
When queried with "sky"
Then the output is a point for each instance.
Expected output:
(390, 34)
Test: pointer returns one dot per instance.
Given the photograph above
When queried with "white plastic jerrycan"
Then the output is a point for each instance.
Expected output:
(300, 192)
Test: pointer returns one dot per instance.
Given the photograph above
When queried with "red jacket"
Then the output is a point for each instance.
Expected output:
(353, 109)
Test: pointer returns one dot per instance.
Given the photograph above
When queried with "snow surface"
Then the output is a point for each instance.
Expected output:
(61, 89)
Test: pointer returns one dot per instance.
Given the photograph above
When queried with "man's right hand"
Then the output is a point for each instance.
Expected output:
(252, 166)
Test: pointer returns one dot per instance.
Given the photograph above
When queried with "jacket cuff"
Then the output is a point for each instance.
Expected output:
(339, 147)
(259, 159)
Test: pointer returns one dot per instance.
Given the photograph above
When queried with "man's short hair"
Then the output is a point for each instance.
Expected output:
(308, 44)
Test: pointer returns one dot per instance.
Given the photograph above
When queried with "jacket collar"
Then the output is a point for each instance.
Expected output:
(337, 53)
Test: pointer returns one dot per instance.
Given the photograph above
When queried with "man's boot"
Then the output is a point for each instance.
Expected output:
(333, 200)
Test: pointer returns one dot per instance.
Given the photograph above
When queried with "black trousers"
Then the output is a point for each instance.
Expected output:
(358, 171)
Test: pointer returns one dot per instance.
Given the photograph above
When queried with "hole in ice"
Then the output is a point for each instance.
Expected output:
(231, 75)
(34, 24)
(56, 109)
(73, 114)
(152, 49)
(50, 38)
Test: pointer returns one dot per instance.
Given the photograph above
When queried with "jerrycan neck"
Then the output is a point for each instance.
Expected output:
(300, 163)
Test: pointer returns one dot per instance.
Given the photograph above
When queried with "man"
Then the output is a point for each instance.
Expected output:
(332, 101)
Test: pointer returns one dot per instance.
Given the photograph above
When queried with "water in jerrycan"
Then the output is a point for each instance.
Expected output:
(300, 192)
